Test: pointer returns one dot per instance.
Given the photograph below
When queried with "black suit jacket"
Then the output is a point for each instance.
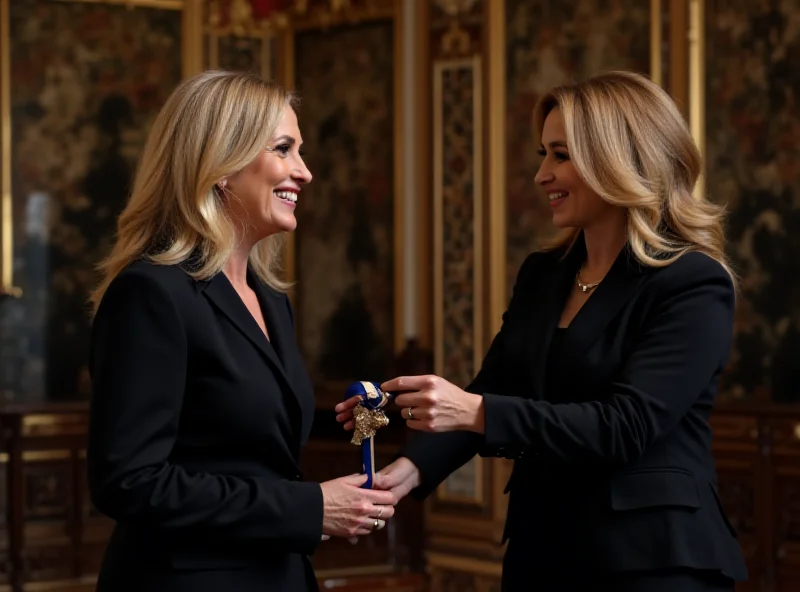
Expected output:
(197, 423)
(618, 474)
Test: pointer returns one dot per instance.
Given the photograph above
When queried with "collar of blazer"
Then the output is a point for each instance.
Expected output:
(616, 289)
(223, 295)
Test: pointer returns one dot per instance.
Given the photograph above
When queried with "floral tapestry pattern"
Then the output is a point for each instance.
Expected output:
(753, 166)
(458, 212)
(87, 81)
(345, 235)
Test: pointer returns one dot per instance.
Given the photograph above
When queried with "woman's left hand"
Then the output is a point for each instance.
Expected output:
(431, 404)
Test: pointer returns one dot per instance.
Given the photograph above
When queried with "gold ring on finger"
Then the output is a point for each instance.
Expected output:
(408, 413)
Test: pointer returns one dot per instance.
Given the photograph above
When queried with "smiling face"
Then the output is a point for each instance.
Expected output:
(573, 203)
(264, 194)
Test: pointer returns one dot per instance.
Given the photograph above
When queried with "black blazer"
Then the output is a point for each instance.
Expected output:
(613, 469)
(196, 427)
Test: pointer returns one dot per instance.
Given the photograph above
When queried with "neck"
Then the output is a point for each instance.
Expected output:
(236, 267)
(604, 242)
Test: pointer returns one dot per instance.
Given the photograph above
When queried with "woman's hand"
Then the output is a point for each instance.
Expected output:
(399, 477)
(350, 511)
(344, 412)
(432, 404)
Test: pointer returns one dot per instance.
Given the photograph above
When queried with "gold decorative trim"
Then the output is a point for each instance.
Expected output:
(656, 41)
(678, 62)
(6, 202)
(375, 10)
(697, 95)
(399, 178)
(496, 194)
(285, 75)
(192, 42)
(39, 456)
(423, 167)
(162, 4)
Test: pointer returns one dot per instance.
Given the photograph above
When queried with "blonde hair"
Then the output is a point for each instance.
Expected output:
(212, 126)
(632, 146)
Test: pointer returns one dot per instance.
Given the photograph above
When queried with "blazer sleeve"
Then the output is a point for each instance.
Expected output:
(437, 455)
(681, 348)
(139, 367)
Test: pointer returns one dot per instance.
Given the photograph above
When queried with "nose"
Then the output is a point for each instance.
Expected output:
(544, 175)
(301, 174)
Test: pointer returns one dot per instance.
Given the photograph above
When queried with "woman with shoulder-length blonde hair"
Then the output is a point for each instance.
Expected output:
(601, 380)
(201, 402)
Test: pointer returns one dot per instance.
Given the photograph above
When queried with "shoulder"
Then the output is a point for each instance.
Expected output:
(542, 261)
(144, 282)
(694, 274)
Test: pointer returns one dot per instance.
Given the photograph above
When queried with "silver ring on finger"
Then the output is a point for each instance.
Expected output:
(380, 511)
(408, 413)
(375, 524)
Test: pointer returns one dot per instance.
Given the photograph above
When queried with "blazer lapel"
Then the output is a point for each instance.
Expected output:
(220, 291)
(619, 285)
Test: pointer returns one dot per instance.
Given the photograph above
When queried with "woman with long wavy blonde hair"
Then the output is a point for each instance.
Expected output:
(201, 402)
(601, 380)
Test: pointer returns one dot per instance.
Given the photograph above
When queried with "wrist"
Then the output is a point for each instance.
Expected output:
(477, 414)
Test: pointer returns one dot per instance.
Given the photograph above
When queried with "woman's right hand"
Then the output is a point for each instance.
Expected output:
(349, 511)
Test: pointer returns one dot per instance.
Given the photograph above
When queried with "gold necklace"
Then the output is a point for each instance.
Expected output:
(585, 287)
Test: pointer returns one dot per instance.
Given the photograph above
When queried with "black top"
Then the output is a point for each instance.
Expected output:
(613, 465)
(556, 367)
(196, 427)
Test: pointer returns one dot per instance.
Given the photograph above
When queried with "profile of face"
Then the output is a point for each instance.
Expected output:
(264, 194)
(572, 202)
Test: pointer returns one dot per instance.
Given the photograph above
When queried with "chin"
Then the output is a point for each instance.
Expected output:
(563, 222)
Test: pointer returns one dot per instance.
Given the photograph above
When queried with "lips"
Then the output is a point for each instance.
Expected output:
(557, 197)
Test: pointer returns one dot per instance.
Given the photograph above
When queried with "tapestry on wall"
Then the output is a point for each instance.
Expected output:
(753, 166)
(345, 235)
(87, 80)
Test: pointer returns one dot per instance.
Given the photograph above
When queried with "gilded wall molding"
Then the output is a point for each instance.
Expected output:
(7, 287)
(161, 4)
(697, 97)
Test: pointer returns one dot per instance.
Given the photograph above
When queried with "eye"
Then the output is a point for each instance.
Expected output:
(561, 156)
(541, 152)
(283, 149)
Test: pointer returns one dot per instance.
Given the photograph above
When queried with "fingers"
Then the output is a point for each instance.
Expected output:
(345, 418)
(382, 512)
(357, 479)
(412, 400)
(409, 383)
(347, 405)
(380, 497)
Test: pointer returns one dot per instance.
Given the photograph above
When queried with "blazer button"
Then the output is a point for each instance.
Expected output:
(297, 477)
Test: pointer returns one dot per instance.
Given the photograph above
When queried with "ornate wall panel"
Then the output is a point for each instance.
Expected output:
(458, 257)
(87, 80)
(548, 43)
(752, 141)
(458, 241)
(344, 246)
